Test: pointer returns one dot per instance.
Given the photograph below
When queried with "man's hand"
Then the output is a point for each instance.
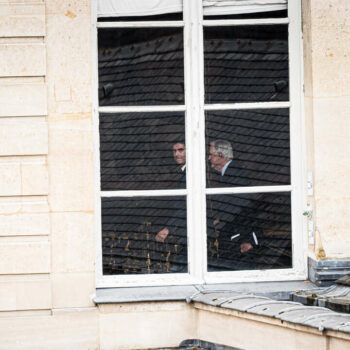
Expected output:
(162, 234)
(216, 221)
(245, 247)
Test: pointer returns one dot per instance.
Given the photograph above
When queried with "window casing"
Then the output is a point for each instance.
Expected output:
(196, 109)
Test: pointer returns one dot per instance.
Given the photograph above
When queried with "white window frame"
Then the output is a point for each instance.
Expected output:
(196, 192)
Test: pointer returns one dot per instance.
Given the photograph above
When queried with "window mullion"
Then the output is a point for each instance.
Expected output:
(299, 238)
(195, 144)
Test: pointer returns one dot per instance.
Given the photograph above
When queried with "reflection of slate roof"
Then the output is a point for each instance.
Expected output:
(293, 312)
(145, 73)
(129, 226)
(136, 150)
(260, 142)
(151, 72)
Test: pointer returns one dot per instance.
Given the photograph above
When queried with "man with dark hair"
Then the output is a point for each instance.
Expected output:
(179, 217)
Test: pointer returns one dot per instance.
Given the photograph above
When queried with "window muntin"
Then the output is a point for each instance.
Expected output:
(195, 126)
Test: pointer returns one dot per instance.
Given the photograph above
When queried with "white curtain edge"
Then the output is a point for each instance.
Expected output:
(159, 11)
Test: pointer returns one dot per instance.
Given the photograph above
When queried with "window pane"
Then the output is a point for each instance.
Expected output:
(130, 240)
(249, 231)
(246, 64)
(164, 17)
(247, 147)
(142, 66)
(260, 15)
(142, 151)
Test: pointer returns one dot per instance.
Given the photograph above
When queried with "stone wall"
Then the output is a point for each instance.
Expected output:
(326, 32)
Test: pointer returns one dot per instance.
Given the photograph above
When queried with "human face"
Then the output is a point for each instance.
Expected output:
(216, 159)
(179, 153)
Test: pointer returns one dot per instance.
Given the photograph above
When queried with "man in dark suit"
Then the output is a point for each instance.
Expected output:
(179, 154)
(233, 215)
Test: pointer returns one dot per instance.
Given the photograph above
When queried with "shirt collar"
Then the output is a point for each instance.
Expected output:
(225, 167)
(183, 167)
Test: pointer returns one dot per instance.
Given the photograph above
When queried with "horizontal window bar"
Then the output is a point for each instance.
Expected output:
(147, 280)
(140, 24)
(253, 105)
(244, 22)
(256, 189)
(121, 109)
(147, 193)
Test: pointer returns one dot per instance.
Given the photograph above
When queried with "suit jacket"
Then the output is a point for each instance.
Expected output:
(236, 223)
(176, 241)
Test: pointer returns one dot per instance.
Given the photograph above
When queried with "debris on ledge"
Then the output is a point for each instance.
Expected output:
(335, 297)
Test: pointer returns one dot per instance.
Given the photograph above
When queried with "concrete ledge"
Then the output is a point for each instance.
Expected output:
(274, 290)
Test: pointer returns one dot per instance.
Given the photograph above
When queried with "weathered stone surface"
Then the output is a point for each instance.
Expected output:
(22, 20)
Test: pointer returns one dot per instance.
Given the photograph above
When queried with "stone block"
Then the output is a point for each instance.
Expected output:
(73, 242)
(70, 9)
(24, 257)
(23, 136)
(25, 295)
(154, 325)
(69, 330)
(34, 178)
(33, 224)
(22, 20)
(10, 178)
(20, 100)
(21, 60)
(73, 289)
(71, 164)
(69, 76)
(23, 205)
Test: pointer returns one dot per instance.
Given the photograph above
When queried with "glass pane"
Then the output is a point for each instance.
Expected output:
(142, 66)
(249, 231)
(164, 17)
(247, 147)
(246, 64)
(142, 151)
(144, 235)
(260, 15)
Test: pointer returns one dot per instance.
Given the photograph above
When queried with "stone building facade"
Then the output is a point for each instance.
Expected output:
(47, 235)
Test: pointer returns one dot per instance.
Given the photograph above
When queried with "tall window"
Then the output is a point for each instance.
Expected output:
(198, 156)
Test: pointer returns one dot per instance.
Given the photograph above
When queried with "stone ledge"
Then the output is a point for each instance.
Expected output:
(325, 272)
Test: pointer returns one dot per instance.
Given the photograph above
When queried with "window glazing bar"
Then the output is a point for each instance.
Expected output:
(146, 193)
(244, 22)
(255, 189)
(254, 105)
(140, 24)
(121, 109)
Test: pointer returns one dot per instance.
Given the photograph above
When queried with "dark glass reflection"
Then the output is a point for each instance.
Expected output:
(142, 66)
(246, 64)
(144, 235)
(255, 147)
(163, 17)
(249, 231)
(142, 151)
(260, 15)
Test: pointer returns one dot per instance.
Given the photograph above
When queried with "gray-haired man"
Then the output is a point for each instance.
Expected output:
(237, 236)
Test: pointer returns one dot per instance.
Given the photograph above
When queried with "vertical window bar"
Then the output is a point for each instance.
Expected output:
(296, 132)
(194, 77)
